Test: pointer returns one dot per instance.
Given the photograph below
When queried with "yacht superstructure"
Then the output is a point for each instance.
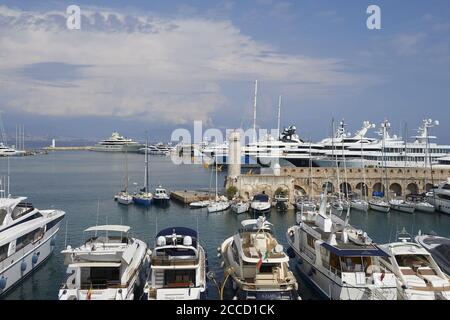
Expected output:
(111, 266)
(340, 262)
(418, 275)
(27, 238)
(178, 266)
(257, 264)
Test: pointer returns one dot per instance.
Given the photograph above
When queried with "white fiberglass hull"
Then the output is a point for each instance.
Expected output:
(360, 205)
(240, 208)
(402, 207)
(22, 263)
(330, 286)
(218, 206)
(260, 207)
(424, 207)
(385, 207)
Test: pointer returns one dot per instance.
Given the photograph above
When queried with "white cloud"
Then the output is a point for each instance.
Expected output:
(408, 44)
(142, 66)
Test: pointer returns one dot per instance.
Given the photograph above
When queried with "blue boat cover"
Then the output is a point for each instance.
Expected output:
(378, 194)
(355, 252)
(182, 231)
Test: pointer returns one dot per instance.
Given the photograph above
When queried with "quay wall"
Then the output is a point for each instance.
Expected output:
(303, 181)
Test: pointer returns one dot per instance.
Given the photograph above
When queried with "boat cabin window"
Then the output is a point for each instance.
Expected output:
(21, 209)
(99, 277)
(310, 240)
(179, 278)
(28, 238)
(355, 264)
(268, 268)
(4, 251)
(53, 223)
(3, 213)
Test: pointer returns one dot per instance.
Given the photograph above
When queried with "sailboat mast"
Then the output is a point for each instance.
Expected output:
(146, 164)
(216, 181)
(126, 167)
(279, 116)
(363, 189)
(254, 111)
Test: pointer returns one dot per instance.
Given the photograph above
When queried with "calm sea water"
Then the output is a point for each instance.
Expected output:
(77, 182)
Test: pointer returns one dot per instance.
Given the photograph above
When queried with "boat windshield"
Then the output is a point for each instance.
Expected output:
(412, 260)
(261, 198)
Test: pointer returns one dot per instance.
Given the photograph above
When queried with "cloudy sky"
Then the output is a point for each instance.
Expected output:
(160, 65)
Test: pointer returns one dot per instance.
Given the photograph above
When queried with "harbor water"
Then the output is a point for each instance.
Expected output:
(83, 184)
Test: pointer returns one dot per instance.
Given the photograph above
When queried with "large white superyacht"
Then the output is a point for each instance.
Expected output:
(117, 143)
(112, 266)
(178, 266)
(27, 238)
(340, 262)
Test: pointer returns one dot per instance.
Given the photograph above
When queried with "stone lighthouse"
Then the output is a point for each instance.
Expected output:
(234, 155)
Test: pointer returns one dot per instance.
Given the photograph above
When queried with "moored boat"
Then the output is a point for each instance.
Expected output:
(112, 266)
(256, 265)
(178, 266)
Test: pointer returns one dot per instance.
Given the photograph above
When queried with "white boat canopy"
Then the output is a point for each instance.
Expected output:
(11, 202)
(109, 227)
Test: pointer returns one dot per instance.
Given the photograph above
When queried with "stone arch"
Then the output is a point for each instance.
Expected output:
(428, 187)
(412, 188)
(299, 191)
(363, 189)
(396, 189)
(264, 188)
(345, 188)
(328, 187)
(378, 187)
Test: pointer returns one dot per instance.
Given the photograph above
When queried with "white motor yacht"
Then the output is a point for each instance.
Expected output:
(439, 247)
(256, 265)
(440, 197)
(160, 196)
(111, 266)
(178, 266)
(24, 245)
(339, 261)
(117, 143)
(260, 204)
(418, 275)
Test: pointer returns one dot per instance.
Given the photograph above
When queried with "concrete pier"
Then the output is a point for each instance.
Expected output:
(301, 181)
(188, 196)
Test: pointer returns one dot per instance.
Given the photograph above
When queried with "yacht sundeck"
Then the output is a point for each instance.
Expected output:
(257, 264)
(341, 262)
(418, 275)
(178, 266)
(112, 266)
(439, 247)
(26, 244)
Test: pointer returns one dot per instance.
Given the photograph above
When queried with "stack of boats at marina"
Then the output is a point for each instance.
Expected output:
(27, 238)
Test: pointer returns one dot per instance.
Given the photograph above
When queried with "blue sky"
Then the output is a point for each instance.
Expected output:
(160, 65)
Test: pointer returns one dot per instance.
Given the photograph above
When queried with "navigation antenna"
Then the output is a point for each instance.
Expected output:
(2, 130)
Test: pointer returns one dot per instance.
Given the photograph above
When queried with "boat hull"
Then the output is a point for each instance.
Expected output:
(142, 201)
(20, 266)
(379, 208)
(360, 206)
